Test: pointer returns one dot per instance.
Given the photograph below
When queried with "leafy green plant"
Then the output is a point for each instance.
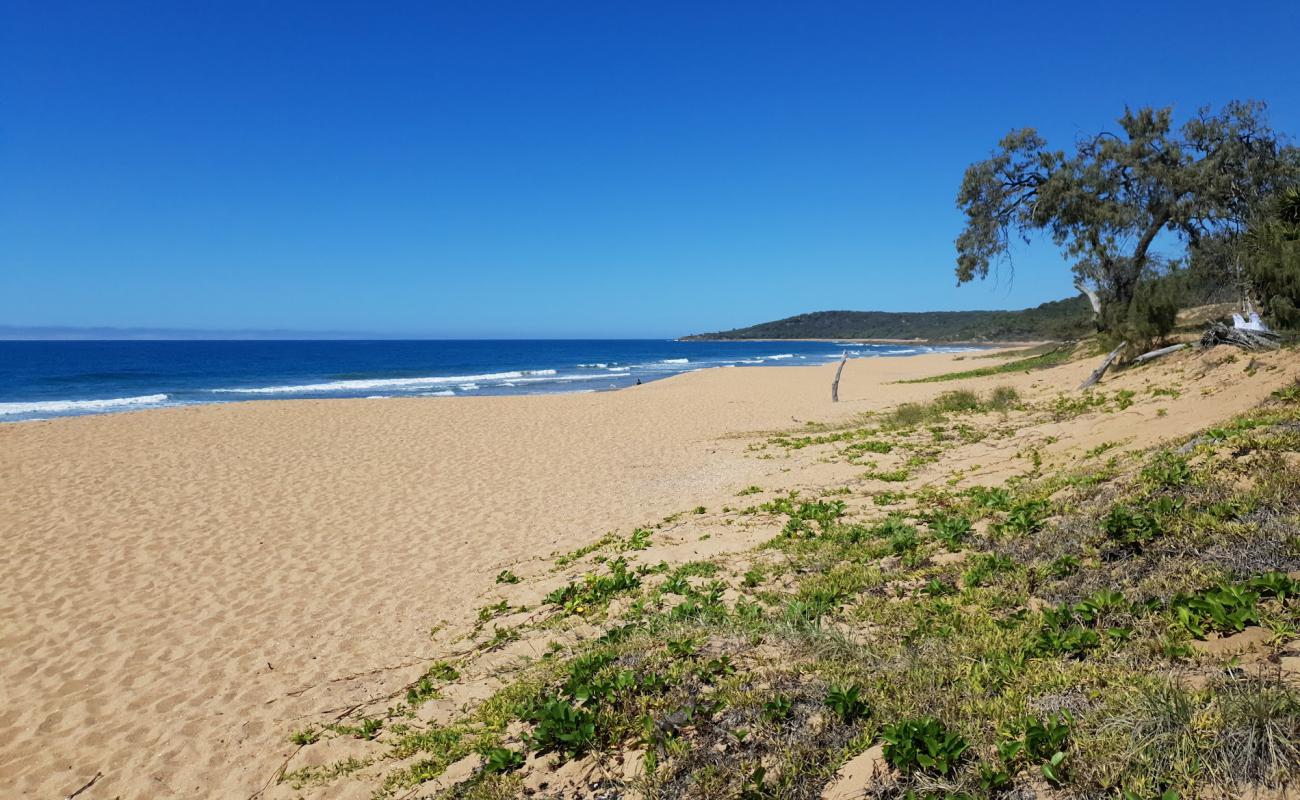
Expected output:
(1063, 566)
(777, 708)
(984, 566)
(1167, 470)
(506, 576)
(502, 759)
(846, 702)
(1129, 528)
(903, 540)
(426, 688)
(561, 727)
(639, 540)
(923, 745)
(937, 588)
(681, 648)
(305, 737)
(1024, 517)
(1226, 608)
(1041, 742)
(990, 498)
(595, 590)
(1274, 584)
(951, 529)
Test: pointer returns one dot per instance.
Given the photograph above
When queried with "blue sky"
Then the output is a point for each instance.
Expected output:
(554, 169)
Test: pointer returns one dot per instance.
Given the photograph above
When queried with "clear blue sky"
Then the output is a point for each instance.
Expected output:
(554, 169)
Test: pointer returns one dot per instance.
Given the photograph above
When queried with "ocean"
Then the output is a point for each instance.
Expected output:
(43, 379)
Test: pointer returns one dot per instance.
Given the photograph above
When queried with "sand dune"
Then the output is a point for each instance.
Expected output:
(180, 584)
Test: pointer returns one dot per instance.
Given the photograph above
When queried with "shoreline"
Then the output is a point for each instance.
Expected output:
(450, 387)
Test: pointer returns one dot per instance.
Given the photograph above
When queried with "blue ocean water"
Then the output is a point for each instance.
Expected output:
(42, 379)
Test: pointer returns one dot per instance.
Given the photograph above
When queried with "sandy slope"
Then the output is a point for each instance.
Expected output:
(169, 576)
(180, 584)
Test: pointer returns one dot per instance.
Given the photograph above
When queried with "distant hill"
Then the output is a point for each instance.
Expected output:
(1059, 319)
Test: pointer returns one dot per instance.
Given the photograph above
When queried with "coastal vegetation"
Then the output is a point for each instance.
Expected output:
(1060, 319)
(1140, 211)
(1127, 627)
(1152, 217)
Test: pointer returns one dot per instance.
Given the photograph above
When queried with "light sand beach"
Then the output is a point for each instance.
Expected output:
(180, 585)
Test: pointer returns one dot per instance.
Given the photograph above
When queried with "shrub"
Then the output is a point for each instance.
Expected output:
(1004, 398)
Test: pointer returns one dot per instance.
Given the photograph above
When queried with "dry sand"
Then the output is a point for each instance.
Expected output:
(179, 585)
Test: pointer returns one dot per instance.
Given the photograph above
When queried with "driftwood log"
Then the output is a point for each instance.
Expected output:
(1217, 333)
(1105, 365)
(835, 384)
(1164, 351)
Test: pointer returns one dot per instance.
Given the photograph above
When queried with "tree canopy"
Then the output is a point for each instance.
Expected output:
(1106, 202)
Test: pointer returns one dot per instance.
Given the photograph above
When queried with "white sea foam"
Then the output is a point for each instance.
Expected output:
(675, 361)
(556, 379)
(468, 387)
(617, 369)
(443, 393)
(73, 406)
(780, 356)
(380, 383)
(597, 365)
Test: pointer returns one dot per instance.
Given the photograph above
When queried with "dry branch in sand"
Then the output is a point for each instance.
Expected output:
(1218, 333)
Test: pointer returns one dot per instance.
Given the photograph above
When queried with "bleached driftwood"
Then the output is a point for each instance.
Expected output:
(1164, 351)
(835, 384)
(1217, 333)
(1105, 365)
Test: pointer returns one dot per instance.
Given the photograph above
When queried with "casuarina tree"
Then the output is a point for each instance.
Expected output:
(1108, 201)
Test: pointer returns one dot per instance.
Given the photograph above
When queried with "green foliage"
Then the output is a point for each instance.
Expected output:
(777, 708)
(502, 759)
(1152, 311)
(984, 566)
(1105, 203)
(1167, 470)
(803, 514)
(305, 737)
(595, 590)
(639, 540)
(1024, 517)
(1059, 319)
(1226, 608)
(1130, 529)
(560, 727)
(923, 745)
(506, 576)
(427, 686)
(990, 498)
(1039, 742)
(1059, 355)
(1273, 264)
(847, 702)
